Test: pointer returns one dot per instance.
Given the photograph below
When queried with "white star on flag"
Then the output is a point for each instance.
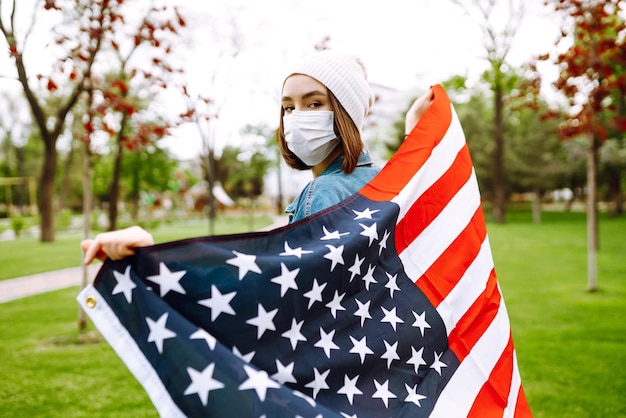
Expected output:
(294, 335)
(370, 232)
(298, 252)
(203, 335)
(335, 254)
(319, 382)
(382, 245)
(259, 381)
(383, 392)
(369, 277)
(158, 331)
(245, 263)
(356, 267)
(364, 311)
(124, 284)
(315, 294)
(392, 284)
(391, 317)
(417, 358)
(263, 321)
(332, 235)
(413, 396)
(202, 383)
(218, 303)
(286, 279)
(245, 357)
(360, 347)
(391, 353)
(438, 364)
(349, 388)
(335, 304)
(420, 321)
(326, 342)
(366, 214)
(284, 373)
(168, 280)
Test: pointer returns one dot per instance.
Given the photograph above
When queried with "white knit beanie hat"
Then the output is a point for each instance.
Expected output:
(345, 76)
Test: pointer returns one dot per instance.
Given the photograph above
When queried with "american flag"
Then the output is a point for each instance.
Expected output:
(386, 305)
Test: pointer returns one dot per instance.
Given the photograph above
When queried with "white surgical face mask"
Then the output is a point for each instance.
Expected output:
(310, 134)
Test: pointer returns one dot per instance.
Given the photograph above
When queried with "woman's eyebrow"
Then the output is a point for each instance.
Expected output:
(305, 95)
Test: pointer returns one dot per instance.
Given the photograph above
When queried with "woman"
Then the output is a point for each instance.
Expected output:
(324, 103)
(325, 100)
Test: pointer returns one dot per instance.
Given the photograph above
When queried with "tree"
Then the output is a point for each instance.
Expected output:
(86, 34)
(590, 57)
(536, 154)
(273, 157)
(242, 172)
(93, 20)
(498, 42)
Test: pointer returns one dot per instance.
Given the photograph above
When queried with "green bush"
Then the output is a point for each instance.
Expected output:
(18, 224)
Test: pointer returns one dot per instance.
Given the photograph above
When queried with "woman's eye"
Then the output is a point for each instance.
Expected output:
(287, 109)
(315, 105)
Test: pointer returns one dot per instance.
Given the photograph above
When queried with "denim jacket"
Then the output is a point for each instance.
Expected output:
(331, 187)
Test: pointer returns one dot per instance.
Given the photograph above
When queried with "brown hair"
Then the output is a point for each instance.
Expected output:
(346, 130)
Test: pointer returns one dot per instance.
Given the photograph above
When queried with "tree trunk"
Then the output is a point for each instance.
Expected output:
(616, 196)
(280, 208)
(592, 216)
(211, 185)
(22, 194)
(87, 171)
(537, 206)
(46, 192)
(499, 184)
(208, 141)
(65, 180)
(134, 193)
(114, 189)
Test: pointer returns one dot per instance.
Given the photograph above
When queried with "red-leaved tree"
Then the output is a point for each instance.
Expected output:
(591, 58)
(85, 45)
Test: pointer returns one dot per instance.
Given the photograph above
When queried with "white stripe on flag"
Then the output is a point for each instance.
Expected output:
(440, 160)
(468, 289)
(442, 231)
(123, 344)
(516, 384)
(458, 396)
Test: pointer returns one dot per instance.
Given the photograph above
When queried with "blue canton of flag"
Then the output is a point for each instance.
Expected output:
(318, 320)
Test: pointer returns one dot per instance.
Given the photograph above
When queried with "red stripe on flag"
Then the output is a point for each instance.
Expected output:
(522, 409)
(447, 270)
(430, 204)
(476, 320)
(414, 151)
(493, 396)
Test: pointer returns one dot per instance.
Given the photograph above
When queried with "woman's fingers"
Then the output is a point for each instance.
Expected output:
(419, 106)
(115, 244)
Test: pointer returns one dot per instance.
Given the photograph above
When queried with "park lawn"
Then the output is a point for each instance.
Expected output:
(17, 257)
(570, 343)
(47, 371)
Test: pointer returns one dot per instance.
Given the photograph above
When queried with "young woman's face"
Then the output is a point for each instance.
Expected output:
(301, 92)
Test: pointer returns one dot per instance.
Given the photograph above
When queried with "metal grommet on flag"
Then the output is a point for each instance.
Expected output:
(90, 302)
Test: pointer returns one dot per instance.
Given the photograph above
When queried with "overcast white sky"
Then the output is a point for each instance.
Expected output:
(405, 44)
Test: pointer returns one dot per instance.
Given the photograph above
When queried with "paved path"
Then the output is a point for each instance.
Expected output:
(21, 287)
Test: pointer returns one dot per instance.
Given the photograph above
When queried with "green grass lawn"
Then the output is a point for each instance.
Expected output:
(571, 344)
